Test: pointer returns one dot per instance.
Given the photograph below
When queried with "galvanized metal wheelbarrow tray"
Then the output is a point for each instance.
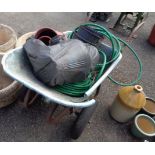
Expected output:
(16, 66)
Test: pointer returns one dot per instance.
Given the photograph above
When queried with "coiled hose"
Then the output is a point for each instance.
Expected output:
(79, 88)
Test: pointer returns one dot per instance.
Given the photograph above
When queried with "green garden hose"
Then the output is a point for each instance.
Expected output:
(79, 88)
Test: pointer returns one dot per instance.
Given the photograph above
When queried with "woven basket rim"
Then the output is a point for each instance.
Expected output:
(11, 86)
(13, 36)
(23, 37)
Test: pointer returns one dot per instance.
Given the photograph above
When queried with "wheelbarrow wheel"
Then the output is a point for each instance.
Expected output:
(81, 121)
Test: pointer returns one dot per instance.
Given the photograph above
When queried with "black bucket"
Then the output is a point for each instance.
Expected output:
(106, 49)
(87, 35)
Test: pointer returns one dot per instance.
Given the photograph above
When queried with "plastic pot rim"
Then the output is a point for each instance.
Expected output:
(149, 98)
(39, 31)
(13, 32)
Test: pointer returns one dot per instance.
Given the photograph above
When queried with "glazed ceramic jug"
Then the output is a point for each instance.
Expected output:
(127, 103)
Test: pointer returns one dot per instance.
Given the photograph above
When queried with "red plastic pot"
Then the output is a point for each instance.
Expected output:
(151, 39)
(45, 39)
(48, 36)
(45, 32)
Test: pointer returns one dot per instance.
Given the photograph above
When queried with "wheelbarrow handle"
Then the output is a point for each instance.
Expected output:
(84, 104)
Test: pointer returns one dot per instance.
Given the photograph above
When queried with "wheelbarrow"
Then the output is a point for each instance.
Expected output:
(17, 67)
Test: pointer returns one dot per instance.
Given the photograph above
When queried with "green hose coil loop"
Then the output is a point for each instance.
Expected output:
(79, 88)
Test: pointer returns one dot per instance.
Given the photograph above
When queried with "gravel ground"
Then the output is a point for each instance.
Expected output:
(20, 124)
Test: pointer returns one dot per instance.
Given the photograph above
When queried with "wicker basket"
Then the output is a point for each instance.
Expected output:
(22, 40)
(9, 89)
(8, 38)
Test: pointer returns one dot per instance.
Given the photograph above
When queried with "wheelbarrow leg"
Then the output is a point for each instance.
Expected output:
(30, 97)
(27, 97)
(58, 117)
(50, 115)
(56, 120)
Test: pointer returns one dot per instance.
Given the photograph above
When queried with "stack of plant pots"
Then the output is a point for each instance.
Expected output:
(9, 88)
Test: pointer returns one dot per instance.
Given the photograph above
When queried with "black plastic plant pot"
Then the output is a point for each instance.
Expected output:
(87, 35)
(106, 49)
